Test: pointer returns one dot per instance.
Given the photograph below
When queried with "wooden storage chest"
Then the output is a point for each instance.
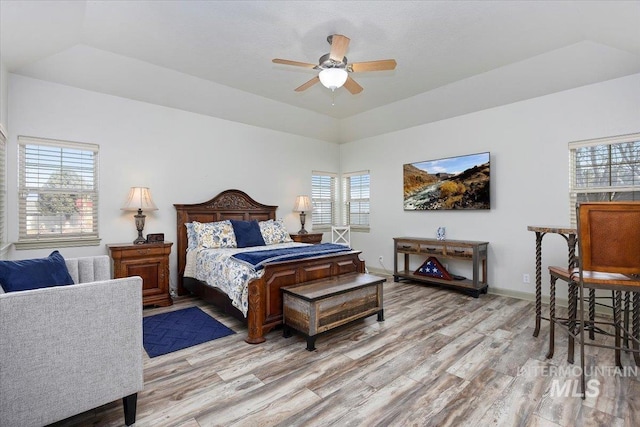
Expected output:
(316, 307)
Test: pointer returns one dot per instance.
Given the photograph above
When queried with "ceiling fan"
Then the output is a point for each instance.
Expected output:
(334, 68)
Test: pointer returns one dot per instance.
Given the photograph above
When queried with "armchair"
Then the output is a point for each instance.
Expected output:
(68, 349)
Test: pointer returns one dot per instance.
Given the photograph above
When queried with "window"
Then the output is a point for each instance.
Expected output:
(324, 199)
(355, 193)
(58, 193)
(606, 169)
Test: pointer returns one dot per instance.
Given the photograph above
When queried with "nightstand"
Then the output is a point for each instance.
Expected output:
(314, 238)
(149, 261)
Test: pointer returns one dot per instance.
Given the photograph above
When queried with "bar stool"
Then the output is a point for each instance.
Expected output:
(609, 259)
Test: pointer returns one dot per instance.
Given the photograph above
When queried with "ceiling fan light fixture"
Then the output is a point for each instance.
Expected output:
(333, 78)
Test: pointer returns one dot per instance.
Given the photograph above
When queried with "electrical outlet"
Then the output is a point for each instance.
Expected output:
(381, 259)
(526, 278)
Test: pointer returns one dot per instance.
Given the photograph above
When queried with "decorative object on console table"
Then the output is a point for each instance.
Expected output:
(139, 198)
(302, 205)
(464, 250)
(432, 268)
(151, 262)
(314, 238)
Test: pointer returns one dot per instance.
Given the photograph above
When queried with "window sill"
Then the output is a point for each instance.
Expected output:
(360, 229)
(56, 243)
(319, 229)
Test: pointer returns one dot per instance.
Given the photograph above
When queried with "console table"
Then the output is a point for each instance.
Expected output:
(466, 250)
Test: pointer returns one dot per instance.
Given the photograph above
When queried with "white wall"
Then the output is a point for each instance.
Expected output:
(4, 97)
(182, 157)
(529, 175)
(187, 158)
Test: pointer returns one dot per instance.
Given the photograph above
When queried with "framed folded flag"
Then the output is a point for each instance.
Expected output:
(432, 268)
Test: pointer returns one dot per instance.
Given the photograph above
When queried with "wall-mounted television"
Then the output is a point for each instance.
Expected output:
(460, 182)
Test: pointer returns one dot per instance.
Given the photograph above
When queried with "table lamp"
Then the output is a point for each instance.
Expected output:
(302, 205)
(139, 198)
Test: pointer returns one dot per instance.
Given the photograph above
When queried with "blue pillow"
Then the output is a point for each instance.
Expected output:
(247, 233)
(34, 273)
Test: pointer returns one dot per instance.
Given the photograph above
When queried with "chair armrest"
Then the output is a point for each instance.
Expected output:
(69, 349)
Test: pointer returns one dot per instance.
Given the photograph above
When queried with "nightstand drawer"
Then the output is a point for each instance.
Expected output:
(136, 251)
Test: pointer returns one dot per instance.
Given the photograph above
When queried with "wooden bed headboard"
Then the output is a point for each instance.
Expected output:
(230, 204)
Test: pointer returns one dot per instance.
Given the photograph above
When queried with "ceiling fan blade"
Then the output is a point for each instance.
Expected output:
(308, 84)
(381, 65)
(352, 86)
(339, 45)
(296, 63)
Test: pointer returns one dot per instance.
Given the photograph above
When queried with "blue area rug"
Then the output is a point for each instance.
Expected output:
(168, 332)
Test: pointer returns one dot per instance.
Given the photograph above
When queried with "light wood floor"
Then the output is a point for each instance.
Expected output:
(441, 358)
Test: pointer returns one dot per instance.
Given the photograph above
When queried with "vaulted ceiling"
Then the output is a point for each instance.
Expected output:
(214, 57)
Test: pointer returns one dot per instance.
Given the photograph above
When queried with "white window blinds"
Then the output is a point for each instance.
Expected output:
(356, 195)
(58, 190)
(324, 199)
(605, 169)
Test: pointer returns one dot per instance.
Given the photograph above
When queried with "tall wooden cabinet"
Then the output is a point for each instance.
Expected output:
(149, 261)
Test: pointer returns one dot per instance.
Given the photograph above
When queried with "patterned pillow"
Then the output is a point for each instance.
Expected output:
(274, 232)
(214, 235)
(192, 237)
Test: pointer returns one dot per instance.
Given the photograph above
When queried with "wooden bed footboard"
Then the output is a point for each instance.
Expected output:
(265, 296)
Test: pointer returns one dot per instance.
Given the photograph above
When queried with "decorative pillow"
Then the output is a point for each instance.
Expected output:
(34, 273)
(247, 233)
(274, 232)
(192, 236)
(214, 235)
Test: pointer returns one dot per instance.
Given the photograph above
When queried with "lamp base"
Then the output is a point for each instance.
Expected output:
(302, 218)
(139, 226)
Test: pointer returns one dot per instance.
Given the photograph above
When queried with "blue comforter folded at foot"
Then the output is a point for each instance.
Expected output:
(257, 259)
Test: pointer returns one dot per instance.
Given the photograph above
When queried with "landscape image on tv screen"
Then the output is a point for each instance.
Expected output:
(460, 182)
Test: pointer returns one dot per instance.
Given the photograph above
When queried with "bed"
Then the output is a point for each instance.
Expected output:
(264, 310)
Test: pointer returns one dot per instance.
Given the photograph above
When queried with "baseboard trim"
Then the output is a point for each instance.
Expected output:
(526, 296)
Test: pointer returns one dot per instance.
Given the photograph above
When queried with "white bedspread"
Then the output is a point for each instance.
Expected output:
(217, 268)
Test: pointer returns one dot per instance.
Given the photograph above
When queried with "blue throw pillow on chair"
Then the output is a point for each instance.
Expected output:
(37, 273)
(247, 233)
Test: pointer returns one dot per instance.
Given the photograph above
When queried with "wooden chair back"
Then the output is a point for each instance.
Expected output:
(609, 236)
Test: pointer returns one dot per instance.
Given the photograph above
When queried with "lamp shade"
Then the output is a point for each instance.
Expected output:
(139, 198)
(303, 204)
(333, 78)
